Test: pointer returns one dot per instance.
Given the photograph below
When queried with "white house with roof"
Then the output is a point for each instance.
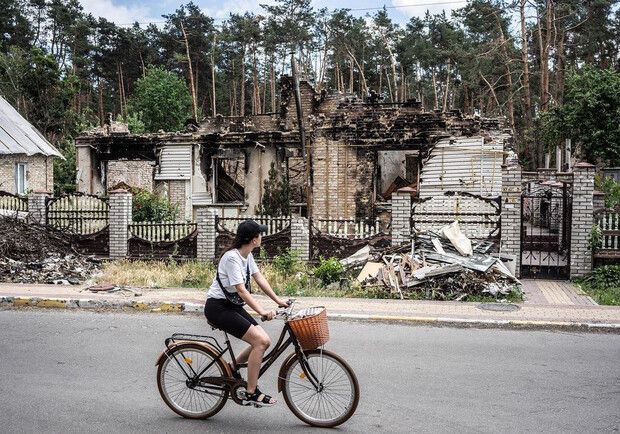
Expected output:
(26, 157)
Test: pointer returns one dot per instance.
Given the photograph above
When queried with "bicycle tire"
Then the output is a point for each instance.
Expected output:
(190, 395)
(293, 368)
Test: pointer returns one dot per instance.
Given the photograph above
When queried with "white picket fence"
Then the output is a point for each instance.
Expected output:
(609, 222)
(162, 231)
(274, 224)
(348, 228)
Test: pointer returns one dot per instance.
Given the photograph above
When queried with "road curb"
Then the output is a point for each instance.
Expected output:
(193, 308)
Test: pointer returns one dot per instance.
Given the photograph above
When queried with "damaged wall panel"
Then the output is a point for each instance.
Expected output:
(467, 164)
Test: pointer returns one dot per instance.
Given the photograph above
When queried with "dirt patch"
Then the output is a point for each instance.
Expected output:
(37, 254)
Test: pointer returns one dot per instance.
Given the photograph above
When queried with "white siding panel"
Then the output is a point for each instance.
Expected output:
(175, 162)
(466, 165)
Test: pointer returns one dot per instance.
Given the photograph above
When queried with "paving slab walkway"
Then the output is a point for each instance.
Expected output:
(554, 292)
(545, 313)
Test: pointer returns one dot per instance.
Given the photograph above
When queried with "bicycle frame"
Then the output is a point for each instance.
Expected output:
(267, 361)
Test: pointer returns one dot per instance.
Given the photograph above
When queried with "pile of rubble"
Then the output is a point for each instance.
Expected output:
(37, 254)
(438, 266)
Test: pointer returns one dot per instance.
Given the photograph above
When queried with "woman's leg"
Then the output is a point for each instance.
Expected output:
(243, 356)
(259, 341)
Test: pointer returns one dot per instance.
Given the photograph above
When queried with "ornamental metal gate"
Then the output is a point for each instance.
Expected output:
(546, 220)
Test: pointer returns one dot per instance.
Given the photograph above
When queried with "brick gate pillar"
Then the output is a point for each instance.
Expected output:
(37, 208)
(510, 241)
(121, 202)
(401, 216)
(582, 219)
(300, 237)
(207, 233)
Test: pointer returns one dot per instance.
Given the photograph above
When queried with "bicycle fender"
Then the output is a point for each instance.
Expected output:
(283, 371)
(208, 347)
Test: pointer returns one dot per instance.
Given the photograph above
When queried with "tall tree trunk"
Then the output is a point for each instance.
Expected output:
(255, 87)
(273, 86)
(525, 64)
(447, 89)
(351, 78)
(213, 95)
(510, 102)
(100, 89)
(435, 90)
(242, 96)
(191, 75)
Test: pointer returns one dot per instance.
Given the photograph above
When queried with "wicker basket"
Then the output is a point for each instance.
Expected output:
(311, 330)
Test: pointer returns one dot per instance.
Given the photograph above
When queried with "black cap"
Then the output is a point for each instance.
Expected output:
(249, 229)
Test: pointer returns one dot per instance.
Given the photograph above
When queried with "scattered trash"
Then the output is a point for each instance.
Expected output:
(441, 266)
(109, 288)
(36, 254)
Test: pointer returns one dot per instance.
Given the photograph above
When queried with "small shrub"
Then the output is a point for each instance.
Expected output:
(149, 206)
(329, 270)
(287, 262)
(596, 237)
(603, 284)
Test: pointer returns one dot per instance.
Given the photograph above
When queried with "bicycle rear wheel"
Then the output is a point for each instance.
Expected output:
(337, 397)
(174, 375)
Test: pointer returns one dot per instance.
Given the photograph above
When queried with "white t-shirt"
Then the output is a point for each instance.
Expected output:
(232, 270)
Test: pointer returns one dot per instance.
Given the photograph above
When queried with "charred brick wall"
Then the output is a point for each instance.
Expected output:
(138, 174)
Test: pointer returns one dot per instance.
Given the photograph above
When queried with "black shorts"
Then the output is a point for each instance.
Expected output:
(229, 317)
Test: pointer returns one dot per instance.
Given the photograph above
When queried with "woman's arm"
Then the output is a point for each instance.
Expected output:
(247, 297)
(266, 287)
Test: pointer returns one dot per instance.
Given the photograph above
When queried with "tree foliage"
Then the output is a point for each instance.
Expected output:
(163, 100)
(589, 115)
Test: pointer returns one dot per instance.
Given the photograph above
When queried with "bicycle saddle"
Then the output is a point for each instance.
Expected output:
(212, 325)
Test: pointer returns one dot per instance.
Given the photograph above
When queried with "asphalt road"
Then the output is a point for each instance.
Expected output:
(94, 372)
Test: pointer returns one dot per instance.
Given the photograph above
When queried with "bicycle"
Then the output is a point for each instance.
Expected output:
(195, 380)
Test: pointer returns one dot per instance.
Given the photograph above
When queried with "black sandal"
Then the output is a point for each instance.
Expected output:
(253, 399)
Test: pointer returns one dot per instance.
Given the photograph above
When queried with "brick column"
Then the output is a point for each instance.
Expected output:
(510, 241)
(599, 200)
(120, 217)
(300, 237)
(207, 232)
(37, 210)
(401, 216)
(582, 219)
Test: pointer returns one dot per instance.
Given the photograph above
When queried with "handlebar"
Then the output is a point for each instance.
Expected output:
(282, 312)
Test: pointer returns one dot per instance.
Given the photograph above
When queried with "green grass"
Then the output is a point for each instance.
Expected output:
(603, 285)
(297, 281)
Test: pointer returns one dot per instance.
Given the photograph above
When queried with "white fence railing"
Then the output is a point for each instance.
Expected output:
(609, 222)
(350, 228)
(274, 224)
(162, 231)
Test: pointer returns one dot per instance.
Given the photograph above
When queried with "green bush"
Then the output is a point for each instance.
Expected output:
(287, 262)
(611, 189)
(149, 206)
(329, 270)
(603, 284)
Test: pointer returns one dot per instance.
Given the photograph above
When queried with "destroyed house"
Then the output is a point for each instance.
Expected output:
(359, 151)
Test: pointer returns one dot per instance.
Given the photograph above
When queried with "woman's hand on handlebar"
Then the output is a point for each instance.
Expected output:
(268, 316)
(283, 303)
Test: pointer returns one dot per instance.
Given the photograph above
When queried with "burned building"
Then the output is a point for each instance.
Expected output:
(358, 151)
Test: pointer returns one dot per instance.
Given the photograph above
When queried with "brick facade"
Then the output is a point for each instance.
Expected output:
(335, 179)
(39, 172)
(136, 173)
(177, 195)
(120, 218)
(583, 193)
(511, 213)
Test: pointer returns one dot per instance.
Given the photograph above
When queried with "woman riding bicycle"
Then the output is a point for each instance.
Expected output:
(230, 290)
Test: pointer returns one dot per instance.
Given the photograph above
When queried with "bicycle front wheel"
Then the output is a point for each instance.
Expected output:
(174, 375)
(337, 396)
